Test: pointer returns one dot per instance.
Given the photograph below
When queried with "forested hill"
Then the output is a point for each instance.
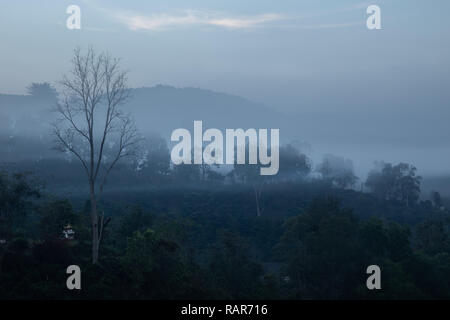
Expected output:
(159, 109)
(165, 108)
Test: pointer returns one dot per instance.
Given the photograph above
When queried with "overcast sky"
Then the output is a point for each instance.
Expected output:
(312, 58)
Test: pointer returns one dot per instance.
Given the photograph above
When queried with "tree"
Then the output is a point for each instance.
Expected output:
(293, 164)
(186, 173)
(17, 191)
(54, 216)
(432, 237)
(436, 198)
(206, 168)
(233, 267)
(338, 171)
(395, 182)
(156, 161)
(250, 174)
(42, 91)
(323, 251)
(92, 127)
(135, 219)
(157, 268)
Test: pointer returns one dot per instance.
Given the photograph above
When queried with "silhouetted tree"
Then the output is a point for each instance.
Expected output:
(92, 127)
(156, 161)
(436, 198)
(42, 91)
(397, 182)
(432, 237)
(250, 174)
(323, 252)
(16, 194)
(338, 171)
(54, 216)
(293, 164)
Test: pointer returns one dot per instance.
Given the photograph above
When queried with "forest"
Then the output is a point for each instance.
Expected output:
(196, 233)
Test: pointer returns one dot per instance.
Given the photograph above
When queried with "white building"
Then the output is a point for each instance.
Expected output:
(68, 233)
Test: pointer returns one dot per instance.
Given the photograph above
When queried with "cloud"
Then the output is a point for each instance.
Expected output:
(245, 22)
(332, 25)
(156, 22)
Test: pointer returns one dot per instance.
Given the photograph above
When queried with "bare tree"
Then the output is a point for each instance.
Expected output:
(92, 127)
(257, 188)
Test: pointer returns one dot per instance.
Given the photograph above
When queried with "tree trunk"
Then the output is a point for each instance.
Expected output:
(94, 223)
(258, 210)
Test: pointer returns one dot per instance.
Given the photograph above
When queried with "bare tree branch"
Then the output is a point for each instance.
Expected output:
(92, 95)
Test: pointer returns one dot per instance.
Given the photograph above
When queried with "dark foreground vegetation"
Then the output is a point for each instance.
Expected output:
(309, 240)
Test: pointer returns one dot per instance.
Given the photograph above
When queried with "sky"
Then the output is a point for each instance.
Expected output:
(315, 59)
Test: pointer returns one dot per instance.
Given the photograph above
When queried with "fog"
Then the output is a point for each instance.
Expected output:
(363, 138)
(310, 69)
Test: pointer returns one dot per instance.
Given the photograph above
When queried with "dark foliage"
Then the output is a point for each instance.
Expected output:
(203, 242)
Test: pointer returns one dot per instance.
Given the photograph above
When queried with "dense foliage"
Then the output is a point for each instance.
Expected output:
(314, 240)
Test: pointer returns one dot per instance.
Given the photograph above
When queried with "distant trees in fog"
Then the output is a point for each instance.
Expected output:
(42, 90)
(338, 171)
(386, 181)
(436, 199)
(395, 182)
(294, 165)
(155, 162)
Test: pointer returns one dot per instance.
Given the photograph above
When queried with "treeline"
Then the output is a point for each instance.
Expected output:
(153, 168)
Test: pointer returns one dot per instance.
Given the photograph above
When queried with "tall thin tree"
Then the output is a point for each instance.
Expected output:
(92, 127)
